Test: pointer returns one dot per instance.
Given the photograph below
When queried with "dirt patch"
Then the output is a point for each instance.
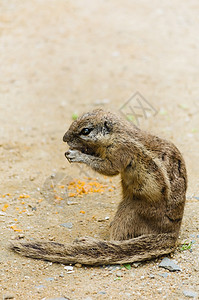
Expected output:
(60, 58)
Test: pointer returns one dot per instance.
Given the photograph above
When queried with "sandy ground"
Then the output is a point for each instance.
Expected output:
(63, 57)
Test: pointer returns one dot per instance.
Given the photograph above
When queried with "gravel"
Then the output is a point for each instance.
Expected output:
(68, 225)
(169, 264)
(119, 274)
(190, 294)
(102, 292)
(164, 275)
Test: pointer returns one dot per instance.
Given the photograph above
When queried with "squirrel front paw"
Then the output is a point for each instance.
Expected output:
(73, 155)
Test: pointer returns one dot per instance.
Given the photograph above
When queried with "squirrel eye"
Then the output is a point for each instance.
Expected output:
(86, 131)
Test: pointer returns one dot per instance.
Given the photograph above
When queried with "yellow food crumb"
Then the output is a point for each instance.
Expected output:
(14, 227)
(24, 196)
(79, 187)
(58, 198)
(82, 211)
(71, 194)
(7, 194)
(5, 207)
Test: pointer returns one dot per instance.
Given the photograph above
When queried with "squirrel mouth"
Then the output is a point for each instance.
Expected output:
(84, 150)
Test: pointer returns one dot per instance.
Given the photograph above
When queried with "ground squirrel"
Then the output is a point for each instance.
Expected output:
(153, 179)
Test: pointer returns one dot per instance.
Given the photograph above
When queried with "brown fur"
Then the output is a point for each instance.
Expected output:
(154, 181)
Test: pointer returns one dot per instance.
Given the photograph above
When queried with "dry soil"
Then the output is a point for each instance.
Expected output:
(61, 58)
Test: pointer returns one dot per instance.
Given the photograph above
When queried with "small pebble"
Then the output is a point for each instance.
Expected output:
(21, 236)
(78, 265)
(68, 225)
(49, 279)
(40, 286)
(69, 269)
(135, 265)
(169, 264)
(192, 235)
(102, 292)
(29, 214)
(113, 267)
(119, 274)
(71, 202)
(190, 294)
(164, 275)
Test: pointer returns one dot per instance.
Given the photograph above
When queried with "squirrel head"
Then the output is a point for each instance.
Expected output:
(90, 131)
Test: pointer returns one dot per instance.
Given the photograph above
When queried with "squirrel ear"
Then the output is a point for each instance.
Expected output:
(108, 125)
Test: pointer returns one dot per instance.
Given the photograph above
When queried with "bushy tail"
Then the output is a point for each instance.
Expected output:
(90, 251)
